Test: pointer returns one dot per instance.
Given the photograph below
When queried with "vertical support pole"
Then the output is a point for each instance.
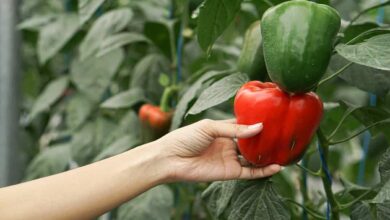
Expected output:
(9, 93)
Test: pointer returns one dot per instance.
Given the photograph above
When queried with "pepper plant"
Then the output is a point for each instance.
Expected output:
(90, 65)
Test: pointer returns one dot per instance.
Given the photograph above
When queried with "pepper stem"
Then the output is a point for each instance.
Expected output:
(168, 92)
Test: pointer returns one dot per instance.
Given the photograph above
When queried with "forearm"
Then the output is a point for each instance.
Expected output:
(85, 192)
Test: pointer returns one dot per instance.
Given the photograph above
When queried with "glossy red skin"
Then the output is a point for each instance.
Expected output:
(289, 122)
(154, 116)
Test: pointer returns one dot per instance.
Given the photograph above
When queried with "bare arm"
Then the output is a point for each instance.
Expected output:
(203, 151)
(85, 192)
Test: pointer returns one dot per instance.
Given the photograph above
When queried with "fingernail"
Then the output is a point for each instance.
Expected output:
(255, 126)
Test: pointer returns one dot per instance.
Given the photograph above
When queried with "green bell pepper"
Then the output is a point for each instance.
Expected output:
(251, 60)
(298, 39)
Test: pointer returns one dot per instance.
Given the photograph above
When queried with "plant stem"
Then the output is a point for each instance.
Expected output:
(357, 199)
(367, 10)
(303, 183)
(306, 209)
(324, 144)
(168, 92)
(359, 132)
(318, 173)
(335, 74)
(346, 114)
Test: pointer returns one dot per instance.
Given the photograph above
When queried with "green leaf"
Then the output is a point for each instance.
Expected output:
(83, 147)
(258, 200)
(214, 17)
(108, 24)
(384, 194)
(78, 110)
(254, 199)
(36, 23)
(91, 139)
(355, 30)
(383, 211)
(368, 34)
(125, 99)
(119, 146)
(145, 73)
(361, 211)
(87, 8)
(262, 6)
(219, 92)
(52, 160)
(119, 40)
(218, 195)
(93, 75)
(141, 70)
(49, 96)
(54, 35)
(189, 95)
(384, 166)
(326, 2)
(129, 124)
(362, 77)
(373, 52)
(155, 204)
(370, 115)
(162, 33)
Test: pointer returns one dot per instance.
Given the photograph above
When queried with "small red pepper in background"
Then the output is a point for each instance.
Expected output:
(154, 117)
(289, 122)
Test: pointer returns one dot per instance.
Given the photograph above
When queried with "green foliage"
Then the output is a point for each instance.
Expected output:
(88, 66)
(118, 41)
(363, 77)
(87, 8)
(155, 204)
(107, 25)
(218, 92)
(255, 199)
(363, 53)
(214, 18)
(384, 166)
(50, 161)
(189, 95)
(78, 109)
(51, 93)
(54, 35)
(92, 76)
(119, 146)
(126, 99)
(361, 211)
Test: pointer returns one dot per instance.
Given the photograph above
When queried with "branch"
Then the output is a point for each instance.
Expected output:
(335, 74)
(359, 132)
(357, 199)
(318, 173)
(346, 114)
(306, 209)
(367, 10)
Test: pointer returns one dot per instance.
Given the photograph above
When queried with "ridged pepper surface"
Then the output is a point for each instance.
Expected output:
(289, 120)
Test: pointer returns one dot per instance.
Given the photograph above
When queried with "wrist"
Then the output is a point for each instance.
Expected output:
(151, 161)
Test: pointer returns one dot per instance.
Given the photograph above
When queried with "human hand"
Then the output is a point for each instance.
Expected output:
(206, 151)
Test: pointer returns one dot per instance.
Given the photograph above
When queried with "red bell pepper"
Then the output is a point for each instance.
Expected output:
(289, 120)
